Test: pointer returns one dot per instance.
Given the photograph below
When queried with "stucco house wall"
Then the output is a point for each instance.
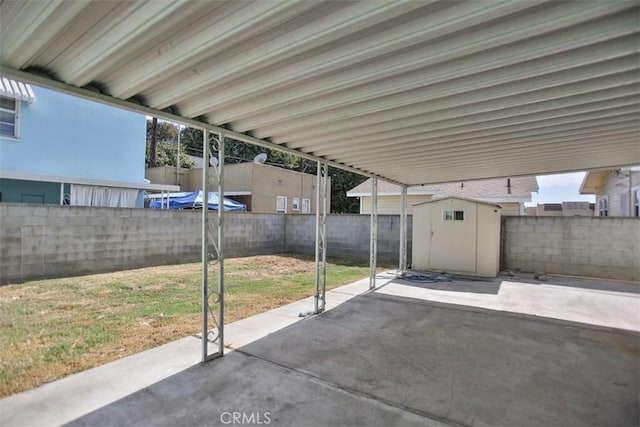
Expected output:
(390, 205)
(63, 135)
(256, 185)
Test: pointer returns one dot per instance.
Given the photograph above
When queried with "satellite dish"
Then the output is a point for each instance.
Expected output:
(260, 158)
(213, 161)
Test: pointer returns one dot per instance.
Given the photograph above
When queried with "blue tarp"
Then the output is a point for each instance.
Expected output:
(194, 200)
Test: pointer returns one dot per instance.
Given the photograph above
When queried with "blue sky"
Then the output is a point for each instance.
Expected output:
(560, 188)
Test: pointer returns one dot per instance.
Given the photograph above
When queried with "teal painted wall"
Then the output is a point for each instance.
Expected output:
(17, 191)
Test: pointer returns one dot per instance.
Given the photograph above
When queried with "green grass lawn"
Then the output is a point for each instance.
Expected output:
(52, 328)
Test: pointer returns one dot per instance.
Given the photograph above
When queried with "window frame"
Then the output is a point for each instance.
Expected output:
(16, 118)
(603, 206)
(453, 215)
(635, 202)
(295, 204)
(624, 200)
(308, 201)
(278, 199)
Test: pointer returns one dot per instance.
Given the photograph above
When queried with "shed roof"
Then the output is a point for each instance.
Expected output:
(413, 92)
(521, 188)
(479, 202)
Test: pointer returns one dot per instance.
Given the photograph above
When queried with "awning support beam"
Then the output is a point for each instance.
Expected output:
(205, 246)
(59, 86)
(373, 243)
(321, 238)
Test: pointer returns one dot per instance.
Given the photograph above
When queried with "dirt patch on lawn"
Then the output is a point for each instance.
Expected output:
(271, 265)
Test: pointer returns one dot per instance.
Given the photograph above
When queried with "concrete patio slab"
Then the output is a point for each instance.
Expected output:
(608, 304)
(402, 355)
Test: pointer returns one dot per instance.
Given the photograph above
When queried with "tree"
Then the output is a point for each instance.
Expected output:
(341, 182)
(166, 146)
(153, 146)
(237, 151)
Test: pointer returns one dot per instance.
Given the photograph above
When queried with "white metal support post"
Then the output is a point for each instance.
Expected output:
(402, 267)
(373, 244)
(321, 238)
(220, 245)
(214, 335)
(205, 245)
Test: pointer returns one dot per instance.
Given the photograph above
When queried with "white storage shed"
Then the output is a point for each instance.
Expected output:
(456, 235)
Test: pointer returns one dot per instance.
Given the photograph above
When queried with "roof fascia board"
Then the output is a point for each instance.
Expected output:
(486, 199)
(26, 176)
(184, 193)
(384, 193)
(516, 175)
(49, 83)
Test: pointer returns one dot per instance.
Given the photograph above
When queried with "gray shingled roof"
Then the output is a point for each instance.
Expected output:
(521, 187)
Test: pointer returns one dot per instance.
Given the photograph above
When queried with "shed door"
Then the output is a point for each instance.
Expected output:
(453, 238)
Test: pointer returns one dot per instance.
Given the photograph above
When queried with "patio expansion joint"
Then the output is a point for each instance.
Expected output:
(431, 418)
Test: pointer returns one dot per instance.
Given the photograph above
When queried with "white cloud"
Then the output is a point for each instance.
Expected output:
(559, 180)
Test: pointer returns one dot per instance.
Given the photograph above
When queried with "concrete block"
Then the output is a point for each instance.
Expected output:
(33, 271)
(543, 258)
(601, 261)
(578, 260)
(519, 250)
(29, 210)
(10, 274)
(621, 262)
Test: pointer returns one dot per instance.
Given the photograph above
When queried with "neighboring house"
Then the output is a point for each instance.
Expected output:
(60, 149)
(617, 191)
(510, 193)
(262, 188)
(561, 209)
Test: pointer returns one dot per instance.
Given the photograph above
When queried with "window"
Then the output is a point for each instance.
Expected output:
(635, 203)
(604, 206)
(281, 204)
(8, 117)
(306, 206)
(453, 215)
(295, 205)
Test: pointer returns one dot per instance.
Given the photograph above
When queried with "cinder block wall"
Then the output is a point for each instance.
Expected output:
(583, 246)
(348, 235)
(53, 241)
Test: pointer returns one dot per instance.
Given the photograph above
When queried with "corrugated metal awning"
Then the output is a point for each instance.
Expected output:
(416, 92)
(17, 90)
